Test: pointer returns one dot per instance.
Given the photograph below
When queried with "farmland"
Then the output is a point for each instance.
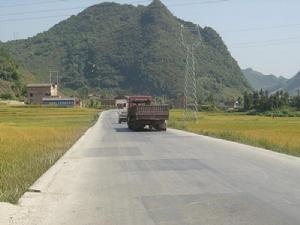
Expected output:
(33, 139)
(281, 134)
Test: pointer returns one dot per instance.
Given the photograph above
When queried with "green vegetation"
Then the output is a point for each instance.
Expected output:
(31, 140)
(129, 49)
(296, 101)
(6, 96)
(272, 83)
(293, 84)
(261, 81)
(262, 102)
(10, 79)
(279, 134)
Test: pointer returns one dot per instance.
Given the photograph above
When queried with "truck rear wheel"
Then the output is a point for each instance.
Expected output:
(162, 126)
(129, 126)
(138, 127)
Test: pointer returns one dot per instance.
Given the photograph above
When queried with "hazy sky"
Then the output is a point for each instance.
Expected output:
(262, 34)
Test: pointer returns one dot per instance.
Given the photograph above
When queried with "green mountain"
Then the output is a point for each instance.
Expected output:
(10, 79)
(293, 84)
(261, 81)
(137, 49)
(272, 83)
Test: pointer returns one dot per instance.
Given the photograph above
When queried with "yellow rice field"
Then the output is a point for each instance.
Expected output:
(32, 139)
(280, 134)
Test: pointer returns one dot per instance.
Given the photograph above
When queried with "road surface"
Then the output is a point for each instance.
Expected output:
(116, 177)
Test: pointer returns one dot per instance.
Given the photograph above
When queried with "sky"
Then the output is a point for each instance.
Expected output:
(261, 34)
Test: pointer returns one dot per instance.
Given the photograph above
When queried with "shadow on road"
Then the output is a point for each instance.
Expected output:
(125, 129)
(122, 129)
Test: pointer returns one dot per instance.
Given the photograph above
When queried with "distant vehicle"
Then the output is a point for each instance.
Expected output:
(121, 103)
(123, 115)
(142, 112)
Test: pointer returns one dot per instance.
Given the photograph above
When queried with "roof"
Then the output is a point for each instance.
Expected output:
(59, 99)
(140, 97)
(39, 85)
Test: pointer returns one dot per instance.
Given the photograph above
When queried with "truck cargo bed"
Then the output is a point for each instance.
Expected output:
(142, 113)
(150, 112)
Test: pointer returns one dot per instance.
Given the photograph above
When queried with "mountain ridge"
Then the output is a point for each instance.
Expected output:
(293, 84)
(128, 48)
(272, 83)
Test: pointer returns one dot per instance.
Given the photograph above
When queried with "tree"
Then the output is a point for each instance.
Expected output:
(256, 100)
(296, 101)
(248, 101)
(261, 101)
(10, 74)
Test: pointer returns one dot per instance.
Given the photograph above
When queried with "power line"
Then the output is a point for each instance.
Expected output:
(235, 45)
(270, 41)
(266, 44)
(262, 28)
(34, 3)
(63, 9)
(54, 10)
(59, 1)
(34, 18)
(134, 2)
(180, 4)
(41, 11)
(198, 3)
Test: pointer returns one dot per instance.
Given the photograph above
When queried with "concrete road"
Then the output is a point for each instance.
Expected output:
(116, 177)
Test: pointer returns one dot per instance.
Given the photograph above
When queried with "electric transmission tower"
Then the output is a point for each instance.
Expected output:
(190, 86)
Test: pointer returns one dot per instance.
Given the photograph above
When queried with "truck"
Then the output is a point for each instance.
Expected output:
(122, 115)
(121, 103)
(142, 112)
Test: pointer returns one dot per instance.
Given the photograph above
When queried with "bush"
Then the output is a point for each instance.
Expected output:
(276, 113)
(6, 96)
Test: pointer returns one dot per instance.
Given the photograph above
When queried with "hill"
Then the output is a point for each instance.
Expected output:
(261, 81)
(293, 84)
(131, 49)
(272, 83)
(10, 79)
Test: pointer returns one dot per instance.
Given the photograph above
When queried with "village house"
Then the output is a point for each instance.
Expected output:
(36, 92)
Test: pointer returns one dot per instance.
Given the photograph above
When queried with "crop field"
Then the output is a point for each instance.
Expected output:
(33, 139)
(281, 134)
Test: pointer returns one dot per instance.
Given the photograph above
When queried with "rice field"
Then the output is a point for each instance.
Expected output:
(33, 139)
(281, 134)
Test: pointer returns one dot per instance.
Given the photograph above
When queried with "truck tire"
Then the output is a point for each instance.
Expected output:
(162, 126)
(129, 124)
(138, 127)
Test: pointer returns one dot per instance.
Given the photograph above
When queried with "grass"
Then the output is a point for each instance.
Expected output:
(281, 134)
(33, 139)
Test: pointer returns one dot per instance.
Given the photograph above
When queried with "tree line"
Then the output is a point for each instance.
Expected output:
(263, 101)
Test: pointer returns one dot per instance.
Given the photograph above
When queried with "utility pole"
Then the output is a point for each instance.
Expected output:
(190, 88)
(50, 75)
(15, 35)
